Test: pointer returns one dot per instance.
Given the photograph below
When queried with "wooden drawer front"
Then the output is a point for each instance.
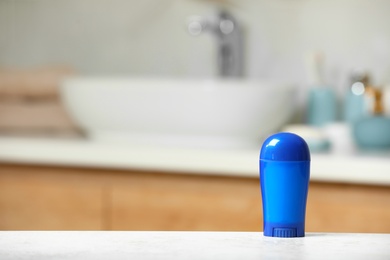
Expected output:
(31, 199)
(168, 202)
(348, 208)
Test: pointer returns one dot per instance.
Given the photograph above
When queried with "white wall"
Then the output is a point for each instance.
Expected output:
(149, 37)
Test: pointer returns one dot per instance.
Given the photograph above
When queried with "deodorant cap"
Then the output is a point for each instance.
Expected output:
(285, 147)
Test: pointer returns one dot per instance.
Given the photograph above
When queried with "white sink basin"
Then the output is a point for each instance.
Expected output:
(189, 113)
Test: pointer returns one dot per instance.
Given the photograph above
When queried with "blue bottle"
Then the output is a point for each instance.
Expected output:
(284, 182)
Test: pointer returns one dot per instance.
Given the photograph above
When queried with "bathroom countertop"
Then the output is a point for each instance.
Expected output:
(346, 168)
(189, 245)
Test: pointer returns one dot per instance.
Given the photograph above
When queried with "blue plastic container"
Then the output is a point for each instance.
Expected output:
(284, 182)
(322, 106)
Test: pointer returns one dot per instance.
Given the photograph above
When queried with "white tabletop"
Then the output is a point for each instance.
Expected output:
(189, 245)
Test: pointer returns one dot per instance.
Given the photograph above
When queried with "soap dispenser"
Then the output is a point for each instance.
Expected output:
(355, 106)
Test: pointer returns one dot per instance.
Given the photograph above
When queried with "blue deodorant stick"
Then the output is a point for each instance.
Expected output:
(284, 182)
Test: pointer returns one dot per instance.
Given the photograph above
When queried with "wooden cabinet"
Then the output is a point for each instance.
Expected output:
(34, 198)
(183, 202)
(55, 198)
(348, 208)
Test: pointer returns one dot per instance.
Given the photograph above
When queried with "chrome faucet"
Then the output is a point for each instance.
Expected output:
(229, 39)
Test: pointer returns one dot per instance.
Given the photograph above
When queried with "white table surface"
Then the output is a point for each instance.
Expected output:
(348, 168)
(189, 245)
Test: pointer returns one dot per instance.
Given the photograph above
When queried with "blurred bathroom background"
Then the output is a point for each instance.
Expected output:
(333, 55)
(43, 41)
